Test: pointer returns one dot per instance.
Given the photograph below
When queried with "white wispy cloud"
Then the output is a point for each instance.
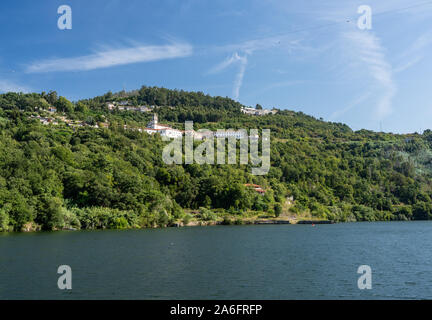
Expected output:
(112, 57)
(11, 86)
(283, 42)
(280, 42)
(367, 50)
(238, 82)
(234, 59)
(408, 64)
(415, 53)
(361, 99)
(338, 11)
(225, 64)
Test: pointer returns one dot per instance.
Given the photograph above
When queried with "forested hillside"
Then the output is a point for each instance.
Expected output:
(57, 176)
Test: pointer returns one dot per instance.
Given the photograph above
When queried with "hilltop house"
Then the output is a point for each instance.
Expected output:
(153, 126)
(256, 187)
(258, 112)
(229, 133)
(124, 106)
(200, 135)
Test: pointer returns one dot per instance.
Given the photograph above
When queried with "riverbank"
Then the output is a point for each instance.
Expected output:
(205, 217)
(197, 222)
(253, 221)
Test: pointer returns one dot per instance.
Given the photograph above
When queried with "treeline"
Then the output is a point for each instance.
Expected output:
(55, 177)
(166, 97)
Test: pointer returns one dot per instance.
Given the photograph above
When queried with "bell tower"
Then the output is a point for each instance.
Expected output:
(154, 122)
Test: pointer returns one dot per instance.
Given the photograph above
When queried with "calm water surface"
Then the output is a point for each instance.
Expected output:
(222, 262)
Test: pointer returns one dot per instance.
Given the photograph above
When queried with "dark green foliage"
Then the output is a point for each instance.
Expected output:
(58, 177)
(278, 209)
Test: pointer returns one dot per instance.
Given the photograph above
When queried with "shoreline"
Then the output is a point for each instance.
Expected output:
(195, 223)
(207, 224)
(253, 222)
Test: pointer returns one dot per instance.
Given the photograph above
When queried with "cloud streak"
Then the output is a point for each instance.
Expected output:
(238, 82)
(283, 41)
(234, 59)
(111, 58)
(367, 49)
(415, 53)
(361, 99)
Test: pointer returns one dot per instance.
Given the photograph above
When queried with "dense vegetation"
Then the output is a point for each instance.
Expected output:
(54, 176)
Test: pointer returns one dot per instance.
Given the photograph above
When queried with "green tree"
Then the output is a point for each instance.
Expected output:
(64, 105)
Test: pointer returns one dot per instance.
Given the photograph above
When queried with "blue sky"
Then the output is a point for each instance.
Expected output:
(304, 56)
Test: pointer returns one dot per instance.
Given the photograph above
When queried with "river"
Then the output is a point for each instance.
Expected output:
(222, 262)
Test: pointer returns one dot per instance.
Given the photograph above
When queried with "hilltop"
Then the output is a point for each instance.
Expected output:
(76, 165)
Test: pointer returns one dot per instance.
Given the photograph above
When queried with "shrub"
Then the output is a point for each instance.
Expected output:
(207, 215)
(278, 209)
(4, 220)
